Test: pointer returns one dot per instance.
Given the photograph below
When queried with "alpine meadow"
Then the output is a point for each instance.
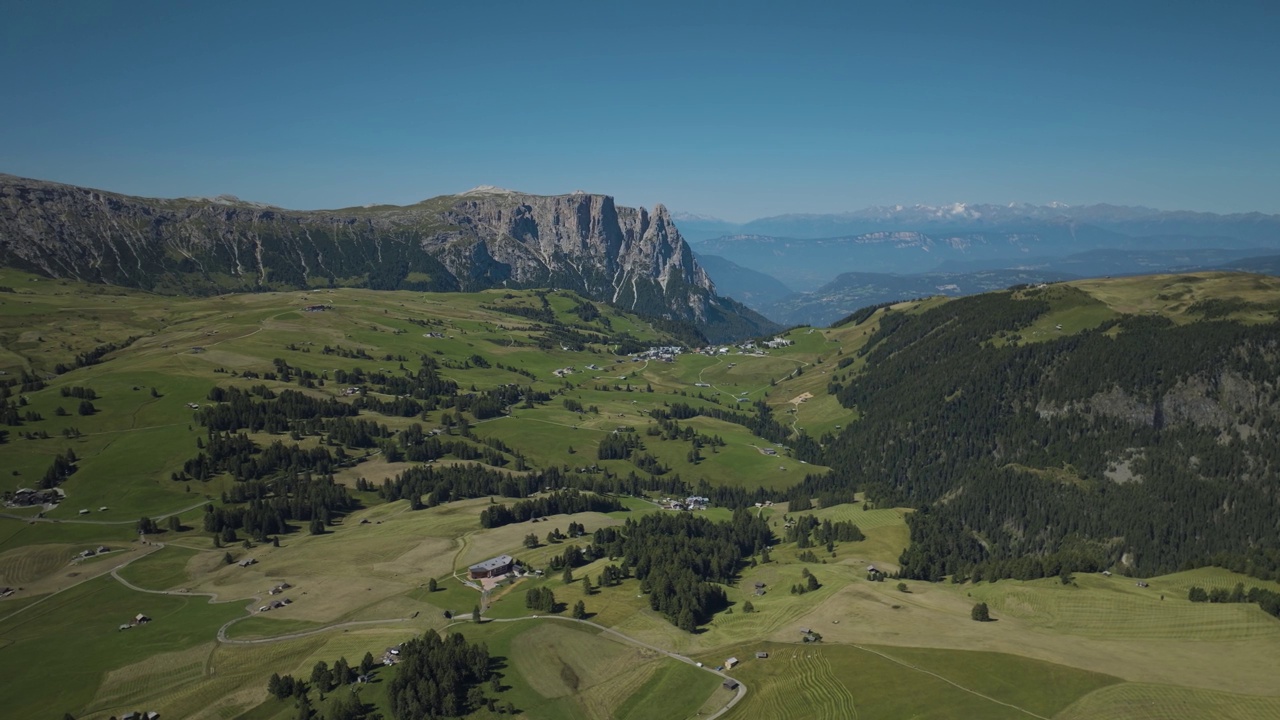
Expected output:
(262, 504)
(827, 361)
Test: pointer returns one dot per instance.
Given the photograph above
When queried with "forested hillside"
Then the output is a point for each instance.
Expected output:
(1139, 441)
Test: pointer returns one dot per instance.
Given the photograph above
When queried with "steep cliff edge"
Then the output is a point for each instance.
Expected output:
(484, 238)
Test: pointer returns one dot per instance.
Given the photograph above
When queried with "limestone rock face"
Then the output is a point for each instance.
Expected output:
(483, 238)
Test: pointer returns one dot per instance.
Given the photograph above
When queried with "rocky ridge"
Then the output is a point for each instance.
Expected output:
(484, 238)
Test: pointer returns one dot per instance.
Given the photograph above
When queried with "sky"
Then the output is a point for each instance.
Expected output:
(736, 110)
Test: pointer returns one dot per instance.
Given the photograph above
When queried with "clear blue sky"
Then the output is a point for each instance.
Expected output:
(735, 109)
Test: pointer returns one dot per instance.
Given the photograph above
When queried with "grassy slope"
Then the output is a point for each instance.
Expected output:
(378, 571)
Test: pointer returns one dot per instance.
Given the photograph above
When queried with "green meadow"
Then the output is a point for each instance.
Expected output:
(1099, 648)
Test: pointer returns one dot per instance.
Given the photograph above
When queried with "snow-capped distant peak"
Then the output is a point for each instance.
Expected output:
(488, 190)
(678, 215)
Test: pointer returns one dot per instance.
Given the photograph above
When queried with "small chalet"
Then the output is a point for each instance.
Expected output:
(730, 684)
(762, 655)
(728, 664)
(495, 567)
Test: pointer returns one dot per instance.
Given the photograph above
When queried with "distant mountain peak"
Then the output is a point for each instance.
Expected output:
(695, 217)
(230, 200)
(489, 190)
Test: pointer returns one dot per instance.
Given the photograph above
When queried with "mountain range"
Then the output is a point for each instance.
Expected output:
(1055, 219)
(484, 238)
(841, 262)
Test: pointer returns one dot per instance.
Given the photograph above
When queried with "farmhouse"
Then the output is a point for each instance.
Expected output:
(247, 562)
(495, 567)
(730, 662)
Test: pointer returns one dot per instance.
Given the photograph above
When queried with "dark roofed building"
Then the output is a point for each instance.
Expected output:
(496, 567)
(730, 684)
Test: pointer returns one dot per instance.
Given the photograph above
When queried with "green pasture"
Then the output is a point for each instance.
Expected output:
(841, 681)
(62, 647)
(1141, 701)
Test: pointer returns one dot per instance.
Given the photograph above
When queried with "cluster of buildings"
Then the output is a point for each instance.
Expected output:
(247, 562)
(279, 588)
(26, 497)
(693, 502)
(664, 353)
(561, 372)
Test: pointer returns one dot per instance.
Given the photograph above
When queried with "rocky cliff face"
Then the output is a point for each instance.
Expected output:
(484, 238)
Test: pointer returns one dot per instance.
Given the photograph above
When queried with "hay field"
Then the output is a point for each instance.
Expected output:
(1134, 701)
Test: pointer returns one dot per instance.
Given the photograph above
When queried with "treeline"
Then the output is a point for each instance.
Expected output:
(761, 423)
(263, 509)
(440, 485)
(807, 531)
(415, 445)
(1022, 439)
(59, 470)
(1268, 600)
(438, 677)
(94, 356)
(237, 409)
(561, 502)
(238, 455)
(678, 557)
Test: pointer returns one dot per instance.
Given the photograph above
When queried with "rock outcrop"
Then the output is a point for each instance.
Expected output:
(484, 238)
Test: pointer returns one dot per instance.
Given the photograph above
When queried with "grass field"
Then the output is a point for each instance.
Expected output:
(557, 669)
(1100, 648)
(64, 646)
(1133, 701)
(830, 681)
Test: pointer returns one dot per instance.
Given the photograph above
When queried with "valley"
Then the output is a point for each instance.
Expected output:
(748, 427)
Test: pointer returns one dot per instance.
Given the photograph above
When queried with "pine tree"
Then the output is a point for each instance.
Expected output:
(579, 611)
(475, 614)
(432, 585)
(980, 613)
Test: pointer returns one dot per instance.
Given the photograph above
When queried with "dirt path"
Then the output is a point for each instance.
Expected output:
(86, 578)
(10, 516)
